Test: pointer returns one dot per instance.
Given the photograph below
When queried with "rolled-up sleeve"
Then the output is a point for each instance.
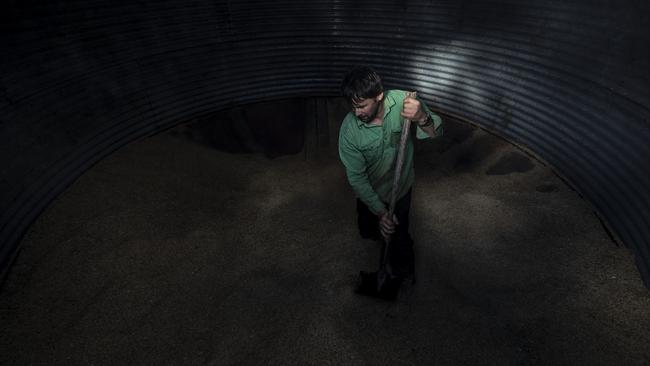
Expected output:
(355, 169)
(437, 124)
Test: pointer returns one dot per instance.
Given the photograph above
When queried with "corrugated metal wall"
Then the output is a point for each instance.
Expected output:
(567, 80)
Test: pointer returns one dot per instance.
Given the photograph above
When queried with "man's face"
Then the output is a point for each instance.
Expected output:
(366, 109)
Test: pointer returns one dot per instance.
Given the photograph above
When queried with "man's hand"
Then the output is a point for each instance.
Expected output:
(413, 110)
(387, 224)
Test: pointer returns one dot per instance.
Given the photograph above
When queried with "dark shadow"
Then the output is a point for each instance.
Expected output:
(511, 163)
(273, 128)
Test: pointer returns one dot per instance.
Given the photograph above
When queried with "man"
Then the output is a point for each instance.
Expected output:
(368, 145)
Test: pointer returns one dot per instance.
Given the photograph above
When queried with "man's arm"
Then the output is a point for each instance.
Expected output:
(355, 169)
(429, 124)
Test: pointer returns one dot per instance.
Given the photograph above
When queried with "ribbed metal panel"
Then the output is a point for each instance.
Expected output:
(568, 81)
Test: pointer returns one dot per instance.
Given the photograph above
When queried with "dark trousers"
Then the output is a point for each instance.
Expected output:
(401, 255)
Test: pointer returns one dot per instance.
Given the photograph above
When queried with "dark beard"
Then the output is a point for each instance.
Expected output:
(372, 116)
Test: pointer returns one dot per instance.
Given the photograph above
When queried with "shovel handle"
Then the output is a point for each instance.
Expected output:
(399, 161)
(399, 164)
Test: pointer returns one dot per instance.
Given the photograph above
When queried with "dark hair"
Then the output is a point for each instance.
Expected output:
(361, 82)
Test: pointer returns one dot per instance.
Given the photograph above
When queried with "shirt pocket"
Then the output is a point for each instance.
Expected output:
(371, 151)
(394, 136)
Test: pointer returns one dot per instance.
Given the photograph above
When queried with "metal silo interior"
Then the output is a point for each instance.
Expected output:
(171, 189)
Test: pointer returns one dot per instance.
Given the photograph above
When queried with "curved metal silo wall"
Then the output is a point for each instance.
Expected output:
(566, 80)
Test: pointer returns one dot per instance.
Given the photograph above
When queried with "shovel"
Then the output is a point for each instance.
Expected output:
(383, 284)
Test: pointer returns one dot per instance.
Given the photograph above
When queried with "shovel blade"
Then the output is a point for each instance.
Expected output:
(378, 284)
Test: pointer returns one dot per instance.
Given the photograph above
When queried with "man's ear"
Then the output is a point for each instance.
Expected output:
(379, 97)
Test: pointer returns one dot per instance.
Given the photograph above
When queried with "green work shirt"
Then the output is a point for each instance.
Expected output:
(368, 152)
